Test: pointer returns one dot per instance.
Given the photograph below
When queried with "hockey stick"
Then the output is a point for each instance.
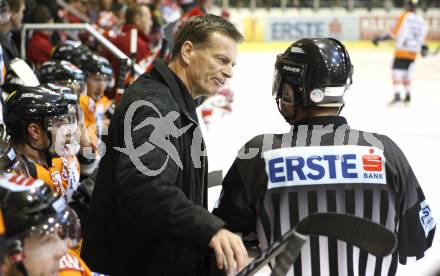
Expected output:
(365, 234)
(24, 72)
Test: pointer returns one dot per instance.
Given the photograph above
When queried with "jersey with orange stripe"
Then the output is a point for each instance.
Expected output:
(50, 175)
(94, 115)
(409, 31)
(94, 111)
(72, 265)
(69, 169)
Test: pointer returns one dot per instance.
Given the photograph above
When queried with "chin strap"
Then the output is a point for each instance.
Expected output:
(340, 109)
(18, 257)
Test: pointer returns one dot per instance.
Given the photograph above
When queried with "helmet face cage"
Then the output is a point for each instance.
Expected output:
(77, 86)
(65, 139)
(56, 123)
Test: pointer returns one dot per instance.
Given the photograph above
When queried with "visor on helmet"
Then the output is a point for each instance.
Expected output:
(287, 72)
(65, 121)
(77, 86)
(32, 208)
(10, 162)
(65, 223)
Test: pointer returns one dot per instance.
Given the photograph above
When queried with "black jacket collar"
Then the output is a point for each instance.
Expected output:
(178, 89)
(322, 120)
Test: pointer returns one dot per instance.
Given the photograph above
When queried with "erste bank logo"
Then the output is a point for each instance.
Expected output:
(324, 165)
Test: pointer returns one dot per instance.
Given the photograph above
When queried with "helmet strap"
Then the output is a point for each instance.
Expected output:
(18, 256)
(20, 266)
(340, 109)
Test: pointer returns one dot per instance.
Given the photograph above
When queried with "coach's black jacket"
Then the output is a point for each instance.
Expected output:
(151, 225)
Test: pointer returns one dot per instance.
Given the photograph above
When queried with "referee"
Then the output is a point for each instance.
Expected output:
(322, 165)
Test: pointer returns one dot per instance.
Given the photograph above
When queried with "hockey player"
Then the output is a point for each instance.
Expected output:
(322, 165)
(409, 33)
(38, 119)
(35, 219)
(97, 107)
(39, 226)
(64, 73)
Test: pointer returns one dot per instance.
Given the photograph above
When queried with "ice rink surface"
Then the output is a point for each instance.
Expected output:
(415, 128)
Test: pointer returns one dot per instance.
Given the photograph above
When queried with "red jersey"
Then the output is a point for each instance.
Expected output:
(39, 48)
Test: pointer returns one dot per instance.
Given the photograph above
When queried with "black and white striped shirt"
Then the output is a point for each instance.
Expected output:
(324, 166)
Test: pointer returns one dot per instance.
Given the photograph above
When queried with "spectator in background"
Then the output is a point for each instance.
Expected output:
(186, 5)
(136, 17)
(109, 17)
(95, 104)
(79, 5)
(10, 49)
(5, 15)
(39, 47)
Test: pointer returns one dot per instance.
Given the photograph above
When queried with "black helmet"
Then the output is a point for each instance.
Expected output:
(71, 51)
(69, 94)
(9, 161)
(63, 73)
(30, 207)
(98, 65)
(318, 69)
(71, 97)
(32, 104)
(412, 4)
(12, 82)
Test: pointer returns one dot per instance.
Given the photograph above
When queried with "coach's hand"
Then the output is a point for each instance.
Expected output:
(230, 252)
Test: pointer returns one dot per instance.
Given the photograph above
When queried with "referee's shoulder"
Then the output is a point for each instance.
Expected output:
(381, 141)
(262, 139)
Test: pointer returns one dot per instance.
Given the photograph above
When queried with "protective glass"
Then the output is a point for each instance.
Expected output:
(99, 77)
(66, 121)
(64, 222)
(17, 165)
(64, 130)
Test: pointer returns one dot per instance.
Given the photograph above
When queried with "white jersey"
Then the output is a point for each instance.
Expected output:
(410, 33)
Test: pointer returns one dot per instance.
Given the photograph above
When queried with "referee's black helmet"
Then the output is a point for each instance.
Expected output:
(318, 70)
